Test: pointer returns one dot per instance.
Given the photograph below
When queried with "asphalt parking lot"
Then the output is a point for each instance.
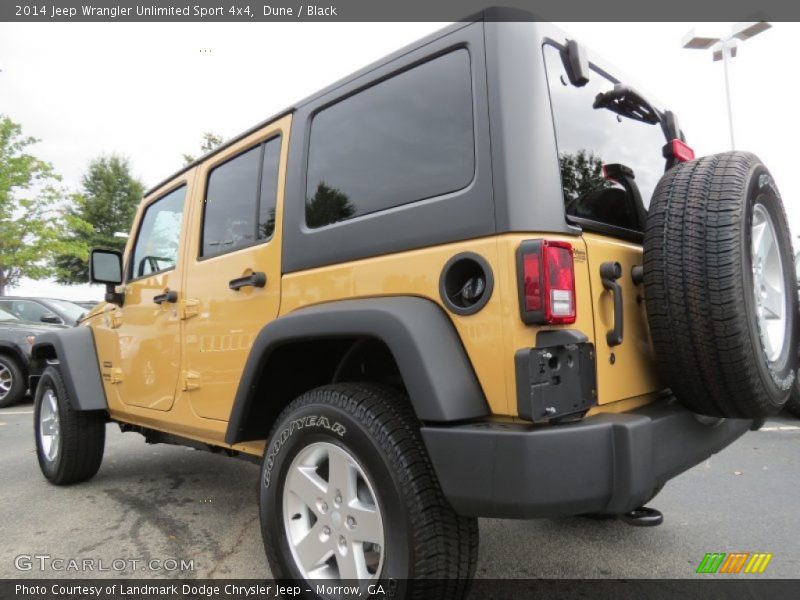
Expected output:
(166, 502)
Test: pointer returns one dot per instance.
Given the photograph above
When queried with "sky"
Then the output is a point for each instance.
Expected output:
(149, 91)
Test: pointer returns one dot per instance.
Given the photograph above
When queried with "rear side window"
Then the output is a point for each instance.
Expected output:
(404, 139)
(590, 138)
(156, 246)
(240, 200)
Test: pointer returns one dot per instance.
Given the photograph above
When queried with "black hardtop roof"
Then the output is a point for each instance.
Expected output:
(361, 72)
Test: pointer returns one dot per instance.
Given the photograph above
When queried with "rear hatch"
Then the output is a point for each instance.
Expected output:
(610, 164)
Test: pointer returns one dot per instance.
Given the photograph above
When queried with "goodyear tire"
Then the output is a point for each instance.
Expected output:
(347, 492)
(719, 287)
(69, 443)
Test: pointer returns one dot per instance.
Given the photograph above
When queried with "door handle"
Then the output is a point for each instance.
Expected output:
(609, 273)
(168, 296)
(257, 279)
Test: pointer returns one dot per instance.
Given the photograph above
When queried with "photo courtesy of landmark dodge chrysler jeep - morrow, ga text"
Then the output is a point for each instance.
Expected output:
(479, 278)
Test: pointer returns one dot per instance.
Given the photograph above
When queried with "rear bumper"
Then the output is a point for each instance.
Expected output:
(606, 463)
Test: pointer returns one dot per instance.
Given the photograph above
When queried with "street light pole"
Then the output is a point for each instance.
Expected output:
(726, 56)
(725, 49)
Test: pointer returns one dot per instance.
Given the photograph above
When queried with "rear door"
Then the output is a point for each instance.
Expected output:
(233, 277)
(610, 165)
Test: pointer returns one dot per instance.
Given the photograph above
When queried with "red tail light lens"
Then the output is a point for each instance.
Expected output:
(681, 151)
(532, 282)
(546, 282)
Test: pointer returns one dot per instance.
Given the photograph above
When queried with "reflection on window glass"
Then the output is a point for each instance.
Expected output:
(239, 210)
(159, 235)
(589, 138)
(407, 138)
(231, 198)
(269, 189)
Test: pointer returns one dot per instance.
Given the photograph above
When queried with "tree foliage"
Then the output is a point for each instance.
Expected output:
(210, 141)
(581, 172)
(29, 225)
(106, 204)
(328, 205)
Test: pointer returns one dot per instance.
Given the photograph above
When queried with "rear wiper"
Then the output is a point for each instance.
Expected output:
(627, 102)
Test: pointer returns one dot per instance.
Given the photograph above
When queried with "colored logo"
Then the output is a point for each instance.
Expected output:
(734, 563)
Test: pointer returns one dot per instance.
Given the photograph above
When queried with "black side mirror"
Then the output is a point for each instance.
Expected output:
(105, 266)
(51, 318)
(577, 64)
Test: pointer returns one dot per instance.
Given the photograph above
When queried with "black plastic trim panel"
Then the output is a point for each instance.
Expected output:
(433, 363)
(77, 358)
(607, 463)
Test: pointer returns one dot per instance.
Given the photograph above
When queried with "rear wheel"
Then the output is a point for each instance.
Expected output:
(69, 443)
(718, 275)
(348, 492)
(12, 382)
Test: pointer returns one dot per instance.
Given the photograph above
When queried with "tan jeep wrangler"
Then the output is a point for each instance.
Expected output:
(479, 278)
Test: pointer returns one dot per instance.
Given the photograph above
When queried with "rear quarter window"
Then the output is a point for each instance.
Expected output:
(404, 139)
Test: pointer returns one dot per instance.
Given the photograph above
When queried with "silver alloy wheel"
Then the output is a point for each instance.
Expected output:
(769, 286)
(331, 515)
(6, 381)
(49, 425)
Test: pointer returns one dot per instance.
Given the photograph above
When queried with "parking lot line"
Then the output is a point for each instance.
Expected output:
(19, 412)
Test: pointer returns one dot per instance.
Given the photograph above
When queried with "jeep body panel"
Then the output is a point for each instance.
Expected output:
(139, 343)
(437, 374)
(220, 324)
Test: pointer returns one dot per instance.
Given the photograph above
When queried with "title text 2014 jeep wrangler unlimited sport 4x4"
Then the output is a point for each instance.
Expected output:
(481, 277)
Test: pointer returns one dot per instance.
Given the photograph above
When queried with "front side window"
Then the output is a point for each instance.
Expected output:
(404, 139)
(157, 244)
(240, 200)
(590, 138)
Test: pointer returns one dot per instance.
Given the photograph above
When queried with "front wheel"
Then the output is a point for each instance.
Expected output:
(348, 492)
(69, 442)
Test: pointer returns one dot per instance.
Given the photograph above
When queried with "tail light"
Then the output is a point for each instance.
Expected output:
(678, 150)
(546, 273)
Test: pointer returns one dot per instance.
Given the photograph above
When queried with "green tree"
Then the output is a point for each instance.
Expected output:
(105, 205)
(210, 141)
(328, 205)
(581, 172)
(29, 223)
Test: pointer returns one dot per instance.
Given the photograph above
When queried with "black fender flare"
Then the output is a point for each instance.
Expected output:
(77, 360)
(441, 383)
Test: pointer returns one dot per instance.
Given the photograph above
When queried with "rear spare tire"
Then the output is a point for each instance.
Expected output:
(719, 286)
